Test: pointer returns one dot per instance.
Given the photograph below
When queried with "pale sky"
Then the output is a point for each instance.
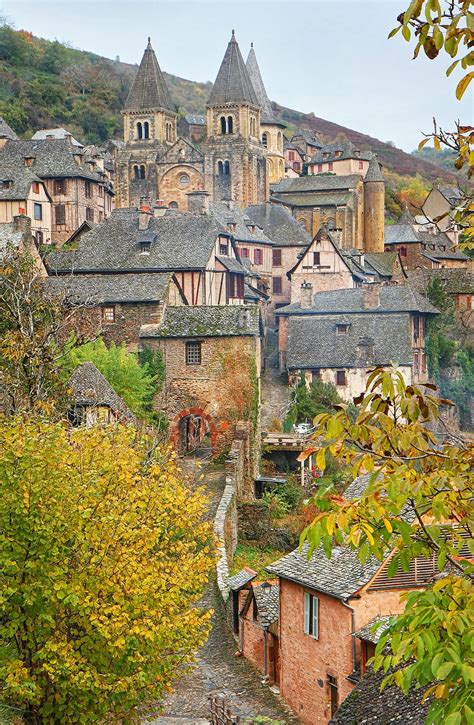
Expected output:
(331, 57)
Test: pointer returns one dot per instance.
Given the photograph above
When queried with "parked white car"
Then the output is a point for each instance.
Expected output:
(303, 429)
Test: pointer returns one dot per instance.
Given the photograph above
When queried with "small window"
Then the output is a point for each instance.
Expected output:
(361, 164)
(227, 168)
(276, 254)
(316, 259)
(264, 140)
(139, 130)
(36, 187)
(320, 167)
(136, 172)
(222, 248)
(38, 211)
(311, 615)
(403, 251)
(100, 190)
(108, 313)
(276, 285)
(145, 247)
(184, 180)
(89, 214)
(60, 214)
(258, 256)
(330, 166)
(341, 377)
(142, 172)
(220, 168)
(291, 155)
(39, 237)
(223, 125)
(101, 216)
(88, 189)
(29, 160)
(244, 252)
(146, 130)
(333, 694)
(173, 205)
(193, 353)
(315, 376)
(230, 124)
(235, 286)
(342, 329)
(297, 166)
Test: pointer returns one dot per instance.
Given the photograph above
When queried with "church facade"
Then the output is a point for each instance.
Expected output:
(240, 156)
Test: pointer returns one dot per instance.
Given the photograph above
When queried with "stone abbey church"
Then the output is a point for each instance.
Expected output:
(241, 155)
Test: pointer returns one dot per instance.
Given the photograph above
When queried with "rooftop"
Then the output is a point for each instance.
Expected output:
(258, 86)
(6, 131)
(267, 598)
(231, 214)
(232, 84)
(90, 388)
(278, 224)
(318, 182)
(51, 158)
(206, 321)
(339, 152)
(55, 133)
(15, 180)
(149, 89)
(100, 288)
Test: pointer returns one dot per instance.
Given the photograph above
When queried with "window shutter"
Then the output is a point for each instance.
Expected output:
(315, 617)
(306, 612)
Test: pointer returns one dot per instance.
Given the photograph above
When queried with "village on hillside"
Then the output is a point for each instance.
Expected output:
(255, 279)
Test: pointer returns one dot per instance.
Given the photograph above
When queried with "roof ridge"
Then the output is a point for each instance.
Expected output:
(149, 89)
(232, 84)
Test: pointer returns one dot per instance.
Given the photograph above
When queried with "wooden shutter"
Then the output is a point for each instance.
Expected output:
(315, 618)
(307, 606)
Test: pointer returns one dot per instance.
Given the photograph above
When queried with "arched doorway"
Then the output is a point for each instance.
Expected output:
(193, 430)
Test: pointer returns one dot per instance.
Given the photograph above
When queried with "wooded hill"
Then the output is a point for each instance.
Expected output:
(45, 84)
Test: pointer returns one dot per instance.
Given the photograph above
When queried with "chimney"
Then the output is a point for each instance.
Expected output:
(371, 296)
(144, 215)
(21, 222)
(69, 138)
(306, 296)
(159, 208)
(198, 202)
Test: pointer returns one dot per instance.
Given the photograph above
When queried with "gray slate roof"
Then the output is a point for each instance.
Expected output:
(367, 705)
(232, 84)
(258, 86)
(239, 580)
(451, 194)
(373, 172)
(454, 281)
(372, 339)
(393, 298)
(338, 152)
(206, 321)
(220, 210)
(366, 633)
(401, 234)
(149, 89)
(341, 576)
(19, 179)
(308, 137)
(268, 603)
(90, 388)
(383, 262)
(6, 131)
(179, 240)
(100, 288)
(317, 182)
(304, 199)
(195, 120)
(53, 158)
(278, 224)
(56, 133)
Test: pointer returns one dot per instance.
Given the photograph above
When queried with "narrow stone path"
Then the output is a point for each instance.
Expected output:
(217, 669)
(275, 391)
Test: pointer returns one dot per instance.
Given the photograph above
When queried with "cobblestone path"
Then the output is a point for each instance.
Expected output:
(217, 669)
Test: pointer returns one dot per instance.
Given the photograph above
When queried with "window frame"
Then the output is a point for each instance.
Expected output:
(35, 187)
(258, 256)
(193, 352)
(316, 259)
(311, 615)
(108, 314)
(88, 189)
(37, 211)
(277, 285)
(62, 220)
(276, 258)
(344, 376)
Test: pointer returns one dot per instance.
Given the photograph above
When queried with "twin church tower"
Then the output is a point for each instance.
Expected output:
(241, 155)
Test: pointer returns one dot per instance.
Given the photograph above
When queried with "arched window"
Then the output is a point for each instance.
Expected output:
(173, 205)
(139, 130)
(142, 171)
(265, 140)
(280, 140)
(230, 124)
(146, 130)
(227, 168)
(220, 168)
(223, 125)
(136, 172)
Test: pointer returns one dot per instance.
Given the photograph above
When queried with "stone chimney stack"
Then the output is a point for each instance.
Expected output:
(198, 201)
(371, 296)
(21, 222)
(159, 208)
(306, 295)
(144, 216)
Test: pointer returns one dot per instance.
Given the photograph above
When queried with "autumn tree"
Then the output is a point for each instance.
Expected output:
(418, 502)
(103, 555)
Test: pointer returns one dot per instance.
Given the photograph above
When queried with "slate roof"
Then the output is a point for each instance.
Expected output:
(53, 158)
(242, 220)
(383, 263)
(366, 633)
(338, 152)
(149, 89)
(100, 288)
(90, 388)
(367, 705)
(232, 84)
(279, 225)
(317, 182)
(308, 137)
(341, 576)
(454, 281)
(451, 193)
(232, 264)
(439, 241)
(393, 298)
(206, 321)
(268, 603)
(373, 172)
(334, 198)
(6, 131)
(258, 86)
(372, 339)
(19, 178)
(195, 120)
(241, 579)
(179, 240)
(401, 234)
(56, 133)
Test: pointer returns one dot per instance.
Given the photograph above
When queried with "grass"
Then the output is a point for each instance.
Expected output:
(256, 558)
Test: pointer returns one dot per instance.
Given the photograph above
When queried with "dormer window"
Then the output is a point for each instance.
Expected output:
(232, 226)
(145, 247)
(325, 154)
(29, 160)
(251, 228)
(342, 329)
(338, 154)
(6, 184)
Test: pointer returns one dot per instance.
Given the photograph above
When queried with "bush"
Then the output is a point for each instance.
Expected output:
(308, 402)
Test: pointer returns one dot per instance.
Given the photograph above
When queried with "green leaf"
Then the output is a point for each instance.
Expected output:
(444, 670)
(453, 719)
(406, 32)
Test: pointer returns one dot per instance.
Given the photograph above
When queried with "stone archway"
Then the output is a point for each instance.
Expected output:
(192, 424)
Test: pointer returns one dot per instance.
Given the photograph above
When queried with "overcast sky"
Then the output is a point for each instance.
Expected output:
(331, 57)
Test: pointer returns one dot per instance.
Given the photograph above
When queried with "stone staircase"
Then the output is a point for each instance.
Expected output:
(275, 390)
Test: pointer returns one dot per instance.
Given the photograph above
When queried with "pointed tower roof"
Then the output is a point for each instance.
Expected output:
(149, 89)
(6, 131)
(373, 172)
(258, 86)
(406, 217)
(233, 84)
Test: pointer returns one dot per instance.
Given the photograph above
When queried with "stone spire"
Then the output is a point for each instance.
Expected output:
(258, 86)
(406, 217)
(373, 172)
(149, 89)
(233, 84)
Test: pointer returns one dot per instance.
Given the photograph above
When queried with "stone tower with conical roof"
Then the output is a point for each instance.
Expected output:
(374, 208)
(235, 159)
(271, 129)
(149, 129)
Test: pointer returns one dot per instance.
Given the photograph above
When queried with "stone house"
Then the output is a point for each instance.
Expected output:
(322, 604)
(77, 184)
(192, 127)
(93, 399)
(422, 249)
(326, 266)
(439, 206)
(258, 632)
(350, 206)
(212, 360)
(294, 159)
(307, 142)
(339, 336)
(22, 192)
(341, 158)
